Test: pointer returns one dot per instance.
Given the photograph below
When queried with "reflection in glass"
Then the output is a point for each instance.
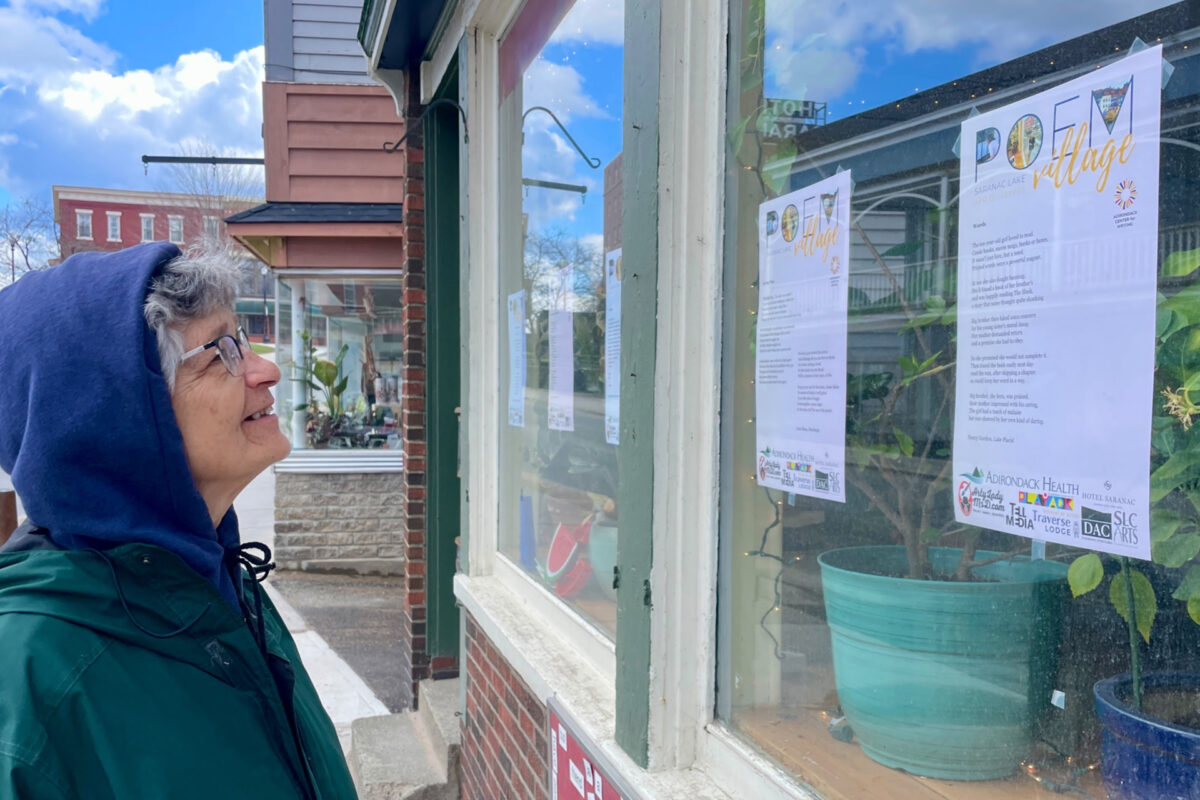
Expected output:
(561, 223)
(340, 352)
(883, 609)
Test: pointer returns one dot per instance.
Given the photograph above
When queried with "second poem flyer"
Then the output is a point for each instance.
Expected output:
(1058, 242)
(800, 343)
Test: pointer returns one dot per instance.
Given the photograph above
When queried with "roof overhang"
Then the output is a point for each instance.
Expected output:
(266, 229)
(397, 35)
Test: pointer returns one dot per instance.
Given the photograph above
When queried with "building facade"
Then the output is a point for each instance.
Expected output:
(342, 230)
(104, 220)
(825, 380)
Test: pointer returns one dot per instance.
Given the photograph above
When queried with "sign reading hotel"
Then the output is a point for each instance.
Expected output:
(800, 341)
(1058, 240)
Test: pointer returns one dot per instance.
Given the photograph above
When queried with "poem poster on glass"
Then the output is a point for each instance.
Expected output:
(516, 359)
(612, 346)
(1058, 241)
(800, 341)
(561, 413)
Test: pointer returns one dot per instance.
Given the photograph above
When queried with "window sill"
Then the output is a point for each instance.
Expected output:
(335, 461)
(553, 667)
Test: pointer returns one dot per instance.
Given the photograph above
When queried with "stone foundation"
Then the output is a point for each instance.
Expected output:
(338, 516)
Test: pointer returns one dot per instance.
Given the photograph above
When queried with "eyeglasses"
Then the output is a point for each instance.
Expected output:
(231, 349)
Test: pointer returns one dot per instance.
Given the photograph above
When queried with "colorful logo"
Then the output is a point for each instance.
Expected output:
(1109, 101)
(762, 468)
(828, 203)
(1125, 194)
(1047, 500)
(1024, 141)
(797, 466)
(791, 223)
(966, 497)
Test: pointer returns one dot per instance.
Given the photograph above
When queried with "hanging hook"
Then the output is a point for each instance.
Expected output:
(594, 163)
(391, 148)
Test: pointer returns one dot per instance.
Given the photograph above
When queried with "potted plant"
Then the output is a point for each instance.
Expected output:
(943, 652)
(1151, 739)
(324, 385)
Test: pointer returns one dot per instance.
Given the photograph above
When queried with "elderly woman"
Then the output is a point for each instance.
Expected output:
(138, 656)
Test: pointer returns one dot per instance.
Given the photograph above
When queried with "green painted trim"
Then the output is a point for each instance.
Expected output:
(439, 33)
(368, 25)
(442, 396)
(639, 306)
(464, 332)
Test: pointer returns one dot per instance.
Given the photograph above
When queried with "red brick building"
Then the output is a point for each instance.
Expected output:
(95, 219)
(91, 218)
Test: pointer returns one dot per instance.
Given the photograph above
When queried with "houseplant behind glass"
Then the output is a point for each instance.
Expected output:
(1151, 744)
(943, 655)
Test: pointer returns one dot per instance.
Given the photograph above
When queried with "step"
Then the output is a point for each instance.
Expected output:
(394, 757)
(438, 707)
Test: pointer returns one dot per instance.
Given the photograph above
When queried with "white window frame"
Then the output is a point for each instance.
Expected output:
(147, 218)
(212, 226)
(83, 218)
(172, 219)
(110, 217)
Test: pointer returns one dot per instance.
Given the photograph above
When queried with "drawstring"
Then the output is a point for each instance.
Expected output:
(255, 558)
(125, 603)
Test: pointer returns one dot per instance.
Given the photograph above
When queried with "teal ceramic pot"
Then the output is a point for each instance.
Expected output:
(942, 678)
(602, 552)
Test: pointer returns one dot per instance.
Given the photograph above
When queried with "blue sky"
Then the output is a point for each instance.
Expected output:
(88, 86)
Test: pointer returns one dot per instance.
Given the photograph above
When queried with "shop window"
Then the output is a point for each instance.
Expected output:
(561, 110)
(340, 350)
(175, 229)
(83, 224)
(114, 225)
(147, 227)
(959, 351)
(212, 227)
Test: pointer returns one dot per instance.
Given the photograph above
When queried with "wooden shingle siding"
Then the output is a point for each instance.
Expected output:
(325, 143)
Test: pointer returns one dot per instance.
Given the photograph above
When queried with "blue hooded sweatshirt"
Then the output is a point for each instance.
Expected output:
(87, 431)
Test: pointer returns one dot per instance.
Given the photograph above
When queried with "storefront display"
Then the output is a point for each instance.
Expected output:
(559, 230)
(1022, 255)
(340, 354)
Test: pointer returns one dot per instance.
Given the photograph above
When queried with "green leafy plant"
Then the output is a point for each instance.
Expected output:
(1174, 475)
(325, 386)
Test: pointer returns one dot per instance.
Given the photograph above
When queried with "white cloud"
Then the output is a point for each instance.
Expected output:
(800, 64)
(88, 9)
(593, 21)
(559, 88)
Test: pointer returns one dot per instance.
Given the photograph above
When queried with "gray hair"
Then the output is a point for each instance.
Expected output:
(193, 285)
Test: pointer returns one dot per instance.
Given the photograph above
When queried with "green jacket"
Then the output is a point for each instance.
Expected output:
(125, 675)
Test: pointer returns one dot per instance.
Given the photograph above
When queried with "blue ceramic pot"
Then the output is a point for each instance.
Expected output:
(942, 678)
(1142, 756)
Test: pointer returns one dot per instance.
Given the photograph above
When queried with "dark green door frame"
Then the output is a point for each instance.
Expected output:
(442, 396)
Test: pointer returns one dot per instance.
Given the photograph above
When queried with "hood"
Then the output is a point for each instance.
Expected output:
(86, 426)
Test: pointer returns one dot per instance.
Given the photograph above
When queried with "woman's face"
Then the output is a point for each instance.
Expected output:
(225, 448)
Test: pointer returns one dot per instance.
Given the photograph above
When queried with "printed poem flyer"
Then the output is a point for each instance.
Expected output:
(1058, 240)
(800, 343)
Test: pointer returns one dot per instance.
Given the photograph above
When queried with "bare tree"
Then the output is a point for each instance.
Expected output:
(28, 233)
(222, 189)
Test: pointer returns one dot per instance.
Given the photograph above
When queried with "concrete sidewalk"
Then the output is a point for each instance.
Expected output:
(344, 694)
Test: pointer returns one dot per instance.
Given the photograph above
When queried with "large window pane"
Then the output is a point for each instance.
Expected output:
(887, 646)
(561, 103)
(340, 350)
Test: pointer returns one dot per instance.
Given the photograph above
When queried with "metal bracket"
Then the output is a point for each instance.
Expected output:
(391, 148)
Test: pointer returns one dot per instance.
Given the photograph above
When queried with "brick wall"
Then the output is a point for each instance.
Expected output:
(504, 730)
(412, 391)
(351, 515)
